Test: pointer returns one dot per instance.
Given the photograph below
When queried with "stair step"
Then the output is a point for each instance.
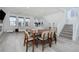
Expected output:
(66, 36)
(67, 28)
(68, 25)
(69, 33)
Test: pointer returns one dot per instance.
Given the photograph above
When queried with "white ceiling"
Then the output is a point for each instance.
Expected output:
(33, 11)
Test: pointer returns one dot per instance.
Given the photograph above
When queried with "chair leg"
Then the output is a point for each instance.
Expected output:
(55, 40)
(24, 43)
(42, 45)
(36, 43)
(33, 42)
(26, 46)
(50, 42)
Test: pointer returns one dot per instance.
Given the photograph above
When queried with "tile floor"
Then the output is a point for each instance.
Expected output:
(13, 42)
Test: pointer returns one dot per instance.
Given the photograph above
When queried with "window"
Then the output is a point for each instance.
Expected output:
(12, 20)
(27, 20)
(20, 21)
(71, 13)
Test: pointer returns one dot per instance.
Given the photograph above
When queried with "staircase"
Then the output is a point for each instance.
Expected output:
(67, 31)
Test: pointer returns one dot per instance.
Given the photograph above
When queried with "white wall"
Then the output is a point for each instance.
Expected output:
(58, 18)
(1, 24)
(77, 37)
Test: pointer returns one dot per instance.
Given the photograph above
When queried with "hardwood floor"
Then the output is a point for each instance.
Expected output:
(13, 42)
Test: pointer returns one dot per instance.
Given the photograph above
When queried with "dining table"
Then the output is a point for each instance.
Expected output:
(38, 32)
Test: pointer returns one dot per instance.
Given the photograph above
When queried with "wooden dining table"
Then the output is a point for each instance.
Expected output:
(38, 32)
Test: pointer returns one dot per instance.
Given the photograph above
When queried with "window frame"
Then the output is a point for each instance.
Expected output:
(13, 21)
(27, 21)
(22, 23)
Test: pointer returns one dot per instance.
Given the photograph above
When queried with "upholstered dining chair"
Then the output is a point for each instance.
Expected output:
(43, 38)
(50, 38)
(53, 34)
(28, 39)
(55, 37)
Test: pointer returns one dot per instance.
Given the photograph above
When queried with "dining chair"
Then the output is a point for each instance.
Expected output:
(55, 34)
(50, 38)
(28, 39)
(52, 35)
(43, 38)
(55, 37)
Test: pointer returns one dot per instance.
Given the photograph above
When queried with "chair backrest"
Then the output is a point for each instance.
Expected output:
(26, 35)
(50, 34)
(44, 35)
(55, 29)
